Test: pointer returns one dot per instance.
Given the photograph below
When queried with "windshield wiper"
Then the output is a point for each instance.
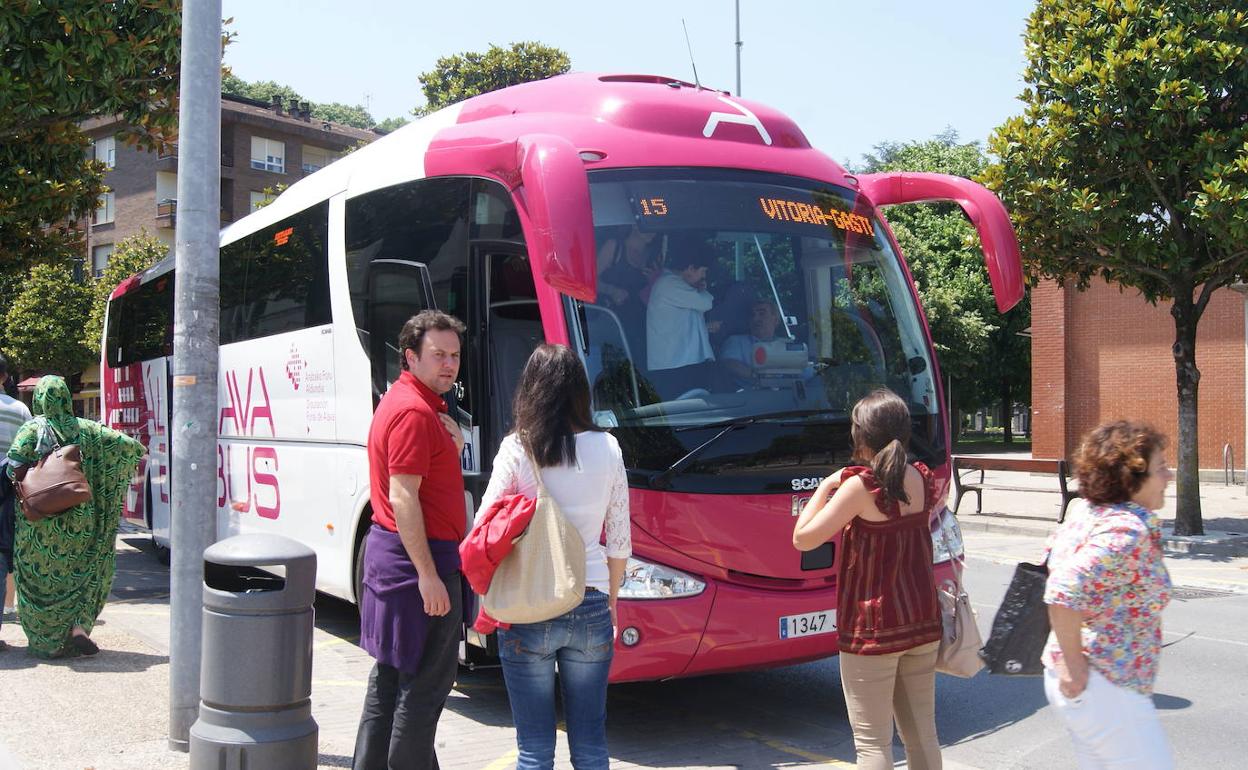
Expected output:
(738, 422)
(662, 479)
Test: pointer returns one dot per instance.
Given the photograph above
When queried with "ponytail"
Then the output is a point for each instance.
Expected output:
(889, 467)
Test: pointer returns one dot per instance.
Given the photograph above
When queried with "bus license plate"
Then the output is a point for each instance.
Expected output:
(807, 624)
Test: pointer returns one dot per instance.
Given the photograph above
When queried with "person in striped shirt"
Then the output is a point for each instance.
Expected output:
(888, 617)
(13, 415)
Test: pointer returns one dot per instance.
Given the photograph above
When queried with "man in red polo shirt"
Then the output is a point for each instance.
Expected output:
(412, 604)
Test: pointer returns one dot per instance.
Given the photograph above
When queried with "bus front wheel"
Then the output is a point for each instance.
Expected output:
(161, 552)
(360, 549)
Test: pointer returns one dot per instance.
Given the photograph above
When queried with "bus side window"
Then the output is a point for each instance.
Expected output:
(276, 280)
(425, 223)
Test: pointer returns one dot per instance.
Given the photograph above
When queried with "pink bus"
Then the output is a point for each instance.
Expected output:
(548, 212)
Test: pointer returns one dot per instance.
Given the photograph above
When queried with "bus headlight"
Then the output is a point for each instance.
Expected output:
(643, 580)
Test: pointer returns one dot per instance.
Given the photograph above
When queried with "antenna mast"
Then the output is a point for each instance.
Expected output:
(739, 44)
(689, 45)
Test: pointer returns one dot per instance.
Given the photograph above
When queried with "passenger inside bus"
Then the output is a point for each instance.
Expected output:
(628, 265)
(678, 346)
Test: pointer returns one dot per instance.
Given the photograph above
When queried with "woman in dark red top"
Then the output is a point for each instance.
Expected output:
(887, 614)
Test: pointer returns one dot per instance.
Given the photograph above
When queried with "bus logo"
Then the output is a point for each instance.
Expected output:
(743, 116)
(806, 484)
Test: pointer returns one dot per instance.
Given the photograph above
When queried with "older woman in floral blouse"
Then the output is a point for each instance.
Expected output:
(1106, 590)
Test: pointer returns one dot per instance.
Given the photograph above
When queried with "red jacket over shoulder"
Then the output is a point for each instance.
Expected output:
(491, 539)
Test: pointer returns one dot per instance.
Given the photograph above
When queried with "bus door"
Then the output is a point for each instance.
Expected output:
(397, 290)
(512, 323)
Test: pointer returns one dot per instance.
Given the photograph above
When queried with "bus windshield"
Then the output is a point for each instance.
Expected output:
(729, 299)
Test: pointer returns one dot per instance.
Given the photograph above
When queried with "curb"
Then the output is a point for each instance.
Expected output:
(1216, 544)
(1206, 545)
(1004, 526)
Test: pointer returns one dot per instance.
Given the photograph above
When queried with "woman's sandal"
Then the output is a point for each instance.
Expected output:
(83, 644)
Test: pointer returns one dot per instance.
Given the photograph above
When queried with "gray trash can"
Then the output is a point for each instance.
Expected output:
(255, 684)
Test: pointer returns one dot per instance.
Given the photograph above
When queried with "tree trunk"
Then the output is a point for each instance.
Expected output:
(1007, 413)
(1187, 486)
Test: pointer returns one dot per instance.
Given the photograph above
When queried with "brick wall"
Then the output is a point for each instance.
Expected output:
(1048, 370)
(1105, 354)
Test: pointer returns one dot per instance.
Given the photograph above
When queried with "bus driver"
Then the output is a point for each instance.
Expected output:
(746, 356)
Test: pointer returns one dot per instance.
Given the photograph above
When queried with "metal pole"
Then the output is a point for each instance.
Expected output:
(739, 44)
(195, 337)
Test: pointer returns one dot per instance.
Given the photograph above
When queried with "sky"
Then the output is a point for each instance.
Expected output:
(851, 74)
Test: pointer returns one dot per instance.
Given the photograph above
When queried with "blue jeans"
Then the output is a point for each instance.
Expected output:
(581, 643)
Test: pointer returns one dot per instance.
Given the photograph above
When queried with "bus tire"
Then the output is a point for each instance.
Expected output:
(161, 553)
(361, 546)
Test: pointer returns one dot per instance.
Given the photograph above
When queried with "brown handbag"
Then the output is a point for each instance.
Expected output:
(54, 484)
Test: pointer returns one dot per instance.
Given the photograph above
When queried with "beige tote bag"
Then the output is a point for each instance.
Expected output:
(544, 575)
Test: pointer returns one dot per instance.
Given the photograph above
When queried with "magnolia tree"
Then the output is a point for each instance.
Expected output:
(1130, 162)
(469, 74)
(61, 63)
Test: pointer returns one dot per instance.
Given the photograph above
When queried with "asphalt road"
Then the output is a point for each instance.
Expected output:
(795, 716)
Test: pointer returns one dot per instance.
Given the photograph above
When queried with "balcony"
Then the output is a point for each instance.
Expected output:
(167, 214)
(167, 160)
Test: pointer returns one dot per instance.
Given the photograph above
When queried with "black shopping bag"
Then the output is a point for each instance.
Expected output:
(1021, 627)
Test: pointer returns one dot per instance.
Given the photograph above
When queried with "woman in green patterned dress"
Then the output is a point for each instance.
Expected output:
(65, 563)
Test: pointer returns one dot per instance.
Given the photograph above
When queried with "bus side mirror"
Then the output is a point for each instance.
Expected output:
(985, 210)
(554, 198)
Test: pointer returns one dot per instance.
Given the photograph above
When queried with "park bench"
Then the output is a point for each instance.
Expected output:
(965, 466)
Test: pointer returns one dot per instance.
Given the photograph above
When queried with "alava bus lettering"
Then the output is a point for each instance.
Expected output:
(158, 440)
(259, 463)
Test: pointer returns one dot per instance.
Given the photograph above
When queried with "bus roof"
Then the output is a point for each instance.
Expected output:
(616, 121)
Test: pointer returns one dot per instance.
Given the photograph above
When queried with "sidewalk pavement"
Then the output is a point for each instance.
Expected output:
(1217, 560)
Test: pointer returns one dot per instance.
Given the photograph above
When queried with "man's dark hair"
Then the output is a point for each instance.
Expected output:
(4, 368)
(690, 252)
(413, 334)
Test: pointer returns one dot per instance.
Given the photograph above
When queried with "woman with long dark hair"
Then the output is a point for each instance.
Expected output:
(582, 469)
(888, 617)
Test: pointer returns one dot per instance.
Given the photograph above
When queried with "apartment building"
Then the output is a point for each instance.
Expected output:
(263, 145)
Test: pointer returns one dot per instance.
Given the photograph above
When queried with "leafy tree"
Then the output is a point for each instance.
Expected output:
(1130, 162)
(51, 342)
(392, 124)
(265, 90)
(464, 75)
(344, 114)
(947, 263)
(130, 256)
(61, 63)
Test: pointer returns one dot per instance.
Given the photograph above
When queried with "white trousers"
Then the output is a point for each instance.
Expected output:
(1112, 727)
